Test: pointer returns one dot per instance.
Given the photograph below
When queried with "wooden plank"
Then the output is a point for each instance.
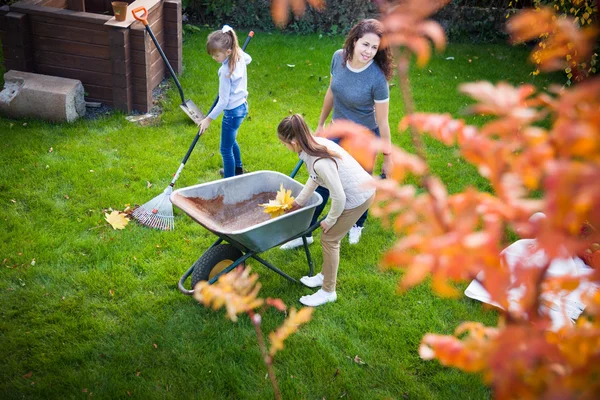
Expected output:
(76, 5)
(69, 33)
(98, 93)
(68, 15)
(142, 98)
(93, 100)
(173, 40)
(157, 66)
(139, 57)
(173, 53)
(16, 52)
(3, 12)
(155, 14)
(158, 77)
(150, 6)
(60, 22)
(172, 12)
(122, 99)
(71, 61)
(86, 77)
(172, 3)
(98, 6)
(17, 24)
(121, 69)
(63, 46)
(17, 44)
(18, 64)
(141, 108)
(54, 3)
(118, 55)
(141, 71)
(138, 40)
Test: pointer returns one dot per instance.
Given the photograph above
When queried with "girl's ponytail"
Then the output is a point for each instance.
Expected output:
(223, 40)
(294, 128)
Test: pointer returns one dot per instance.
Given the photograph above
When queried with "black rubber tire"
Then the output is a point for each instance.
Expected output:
(211, 258)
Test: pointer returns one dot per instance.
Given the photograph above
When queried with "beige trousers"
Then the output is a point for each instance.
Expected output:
(330, 242)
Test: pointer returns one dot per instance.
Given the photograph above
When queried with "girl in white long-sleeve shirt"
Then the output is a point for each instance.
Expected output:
(330, 166)
(223, 46)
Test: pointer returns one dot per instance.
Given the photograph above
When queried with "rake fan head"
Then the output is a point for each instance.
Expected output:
(157, 213)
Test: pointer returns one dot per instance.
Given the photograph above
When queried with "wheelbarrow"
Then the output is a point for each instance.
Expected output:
(229, 209)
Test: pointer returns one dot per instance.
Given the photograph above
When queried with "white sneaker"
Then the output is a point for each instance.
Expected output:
(313, 281)
(354, 234)
(319, 298)
(292, 244)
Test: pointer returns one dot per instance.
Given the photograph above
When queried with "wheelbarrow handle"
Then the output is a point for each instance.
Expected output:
(141, 18)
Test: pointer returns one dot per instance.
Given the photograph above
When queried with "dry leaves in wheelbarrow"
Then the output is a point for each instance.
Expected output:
(282, 203)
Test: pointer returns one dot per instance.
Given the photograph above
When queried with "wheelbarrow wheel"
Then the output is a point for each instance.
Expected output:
(213, 261)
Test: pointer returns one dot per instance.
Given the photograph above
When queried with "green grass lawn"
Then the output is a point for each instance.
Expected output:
(92, 312)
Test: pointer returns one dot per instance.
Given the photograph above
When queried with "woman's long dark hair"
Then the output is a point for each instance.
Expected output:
(383, 57)
(294, 128)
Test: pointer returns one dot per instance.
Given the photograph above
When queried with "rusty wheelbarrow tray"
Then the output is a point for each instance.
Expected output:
(229, 209)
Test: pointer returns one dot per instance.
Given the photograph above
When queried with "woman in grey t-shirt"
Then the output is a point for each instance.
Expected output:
(359, 92)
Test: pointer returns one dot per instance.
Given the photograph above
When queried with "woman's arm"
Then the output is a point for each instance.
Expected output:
(326, 109)
(382, 116)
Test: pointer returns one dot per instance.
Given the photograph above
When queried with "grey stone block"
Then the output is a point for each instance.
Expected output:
(46, 97)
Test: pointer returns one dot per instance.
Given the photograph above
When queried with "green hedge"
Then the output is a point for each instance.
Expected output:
(337, 18)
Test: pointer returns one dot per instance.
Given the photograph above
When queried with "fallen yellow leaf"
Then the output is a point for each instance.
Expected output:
(116, 219)
(283, 202)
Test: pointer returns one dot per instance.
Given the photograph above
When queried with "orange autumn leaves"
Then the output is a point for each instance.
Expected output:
(564, 45)
(237, 291)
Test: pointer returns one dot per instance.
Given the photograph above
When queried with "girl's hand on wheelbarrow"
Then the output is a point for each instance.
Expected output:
(325, 227)
(295, 206)
(204, 124)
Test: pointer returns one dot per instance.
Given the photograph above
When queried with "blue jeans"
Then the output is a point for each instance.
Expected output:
(230, 151)
(325, 194)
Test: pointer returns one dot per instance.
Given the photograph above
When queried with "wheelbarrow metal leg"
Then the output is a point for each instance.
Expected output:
(273, 268)
(308, 257)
